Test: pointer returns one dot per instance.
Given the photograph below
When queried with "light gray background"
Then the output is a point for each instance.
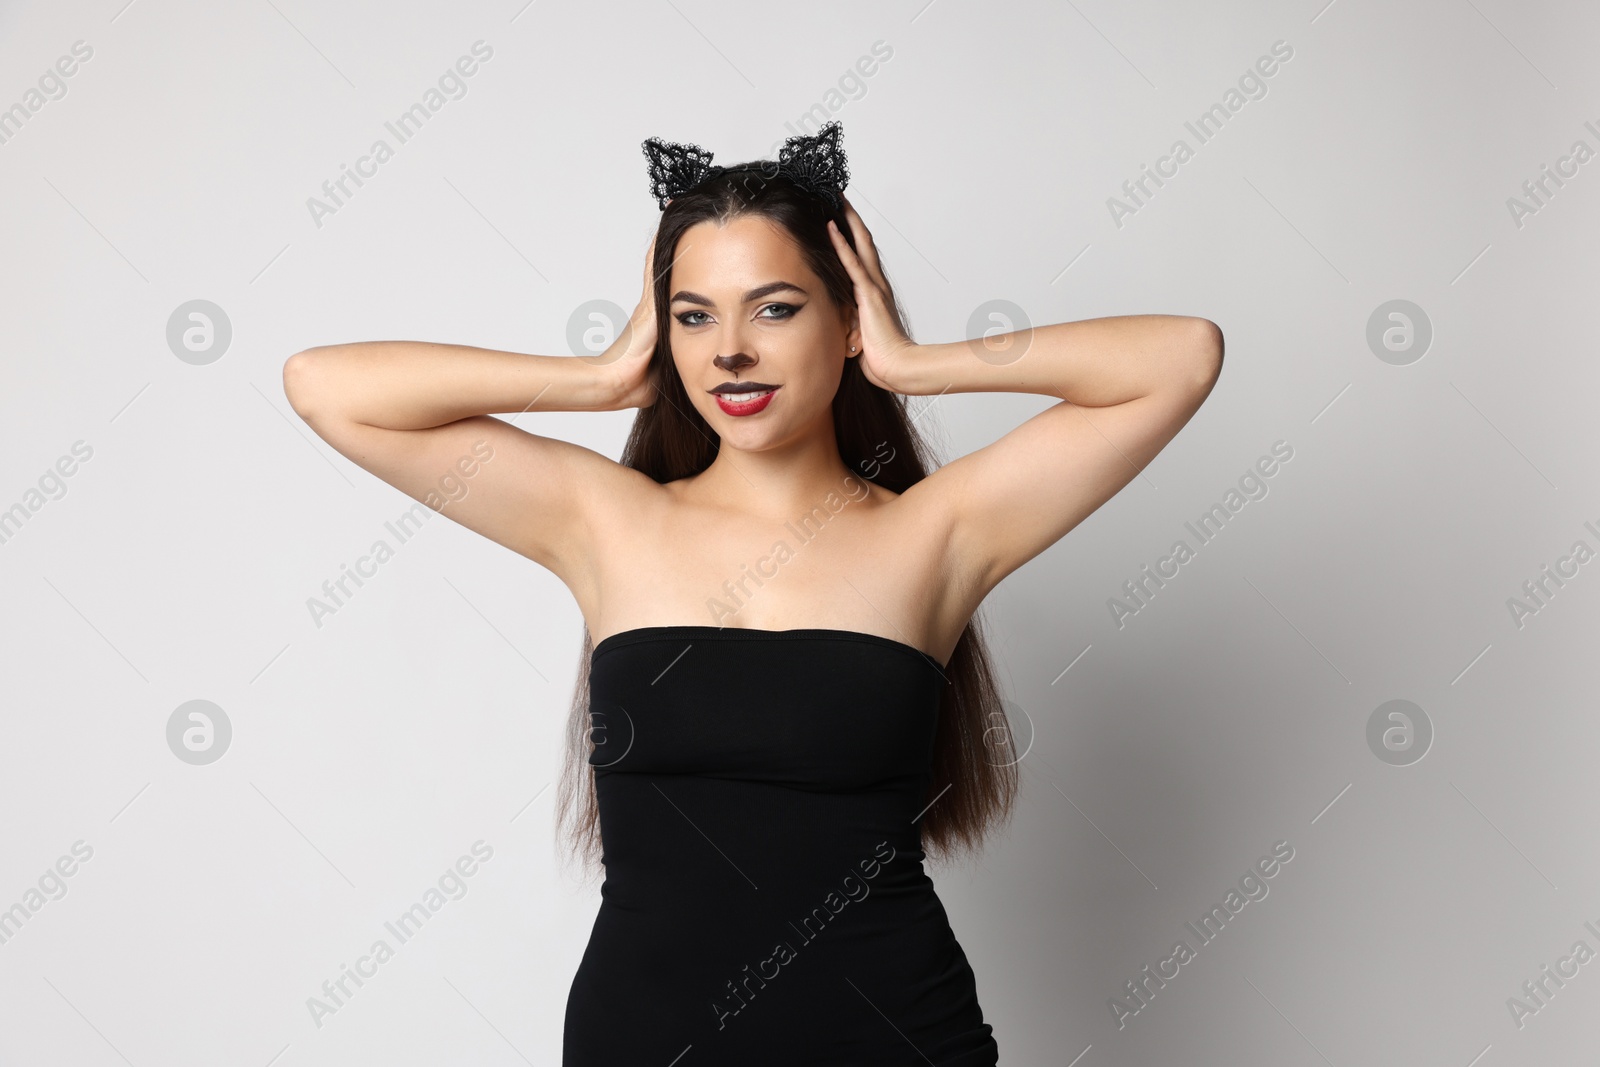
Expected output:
(368, 754)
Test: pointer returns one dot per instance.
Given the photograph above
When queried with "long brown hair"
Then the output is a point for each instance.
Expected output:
(974, 779)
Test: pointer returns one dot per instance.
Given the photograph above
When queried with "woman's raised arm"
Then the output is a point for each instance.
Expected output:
(1126, 384)
(417, 385)
(419, 416)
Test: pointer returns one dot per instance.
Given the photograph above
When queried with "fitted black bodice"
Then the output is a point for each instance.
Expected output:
(764, 900)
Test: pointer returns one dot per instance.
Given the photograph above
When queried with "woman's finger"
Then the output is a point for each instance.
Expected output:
(865, 245)
(873, 264)
(875, 304)
(847, 255)
(863, 236)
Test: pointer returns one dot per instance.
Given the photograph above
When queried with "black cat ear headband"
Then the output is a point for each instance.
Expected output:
(815, 163)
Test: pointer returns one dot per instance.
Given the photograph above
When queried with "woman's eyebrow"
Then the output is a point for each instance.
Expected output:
(757, 293)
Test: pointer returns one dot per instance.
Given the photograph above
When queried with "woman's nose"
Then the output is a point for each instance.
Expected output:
(737, 361)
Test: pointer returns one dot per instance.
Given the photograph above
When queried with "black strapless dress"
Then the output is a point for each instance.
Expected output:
(764, 902)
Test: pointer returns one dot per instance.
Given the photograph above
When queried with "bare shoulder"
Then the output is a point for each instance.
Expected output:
(1006, 503)
(920, 525)
(544, 498)
(616, 503)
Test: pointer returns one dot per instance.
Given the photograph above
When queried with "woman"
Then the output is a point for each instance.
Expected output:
(789, 700)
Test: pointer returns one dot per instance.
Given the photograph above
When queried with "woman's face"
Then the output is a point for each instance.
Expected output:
(743, 292)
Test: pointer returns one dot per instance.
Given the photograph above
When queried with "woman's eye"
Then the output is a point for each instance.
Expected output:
(777, 311)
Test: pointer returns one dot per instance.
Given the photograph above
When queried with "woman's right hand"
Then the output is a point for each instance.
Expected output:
(629, 357)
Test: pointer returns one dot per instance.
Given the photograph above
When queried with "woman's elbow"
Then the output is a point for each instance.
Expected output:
(1207, 354)
(299, 378)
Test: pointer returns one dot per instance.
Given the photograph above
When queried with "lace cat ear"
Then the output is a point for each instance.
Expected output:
(817, 162)
(675, 168)
(814, 162)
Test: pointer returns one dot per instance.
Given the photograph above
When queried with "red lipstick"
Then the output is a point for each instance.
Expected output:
(746, 407)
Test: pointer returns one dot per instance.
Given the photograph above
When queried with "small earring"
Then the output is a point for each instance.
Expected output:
(852, 348)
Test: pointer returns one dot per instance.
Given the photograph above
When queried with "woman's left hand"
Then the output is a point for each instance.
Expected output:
(885, 349)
